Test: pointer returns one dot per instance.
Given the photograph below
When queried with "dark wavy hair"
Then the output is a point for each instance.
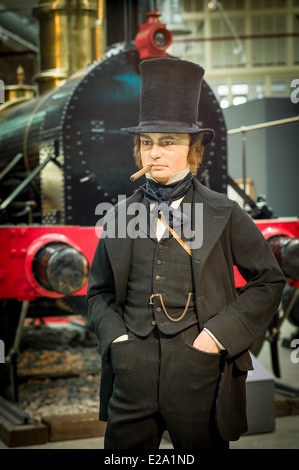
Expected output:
(194, 156)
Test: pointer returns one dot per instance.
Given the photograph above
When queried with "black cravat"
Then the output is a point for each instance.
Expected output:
(162, 196)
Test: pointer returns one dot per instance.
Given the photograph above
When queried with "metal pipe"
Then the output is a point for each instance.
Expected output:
(100, 31)
(243, 129)
(264, 125)
(66, 42)
(10, 166)
(4, 205)
(17, 32)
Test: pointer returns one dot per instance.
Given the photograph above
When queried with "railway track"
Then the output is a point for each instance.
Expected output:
(58, 375)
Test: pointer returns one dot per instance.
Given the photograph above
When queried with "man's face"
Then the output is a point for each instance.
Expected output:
(166, 153)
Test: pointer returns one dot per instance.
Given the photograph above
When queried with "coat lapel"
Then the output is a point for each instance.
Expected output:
(216, 212)
(119, 247)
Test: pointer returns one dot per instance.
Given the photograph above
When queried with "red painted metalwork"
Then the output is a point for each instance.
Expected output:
(153, 38)
(20, 244)
(272, 228)
(18, 248)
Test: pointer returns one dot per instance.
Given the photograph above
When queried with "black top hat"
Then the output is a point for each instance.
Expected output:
(169, 100)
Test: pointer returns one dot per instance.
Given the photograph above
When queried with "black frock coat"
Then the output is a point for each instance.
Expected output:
(230, 238)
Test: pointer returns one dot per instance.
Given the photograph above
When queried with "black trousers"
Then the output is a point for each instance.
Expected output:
(163, 382)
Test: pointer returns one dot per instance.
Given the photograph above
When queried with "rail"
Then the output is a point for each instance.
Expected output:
(244, 129)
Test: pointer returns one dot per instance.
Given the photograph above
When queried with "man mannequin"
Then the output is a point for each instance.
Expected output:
(173, 334)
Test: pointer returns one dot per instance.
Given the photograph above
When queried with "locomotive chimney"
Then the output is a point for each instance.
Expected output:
(66, 29)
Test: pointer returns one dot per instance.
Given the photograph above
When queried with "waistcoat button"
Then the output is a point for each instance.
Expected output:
(158, 278)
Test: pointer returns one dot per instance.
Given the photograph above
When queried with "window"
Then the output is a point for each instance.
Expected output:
(240, 91)
(225, 52)
(222, 94)
(268, 50)
(280, 88)
(193, 5)
(233, 4)
(259, 4)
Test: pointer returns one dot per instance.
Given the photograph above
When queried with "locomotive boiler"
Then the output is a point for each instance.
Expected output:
(65, 154)
(62, 154)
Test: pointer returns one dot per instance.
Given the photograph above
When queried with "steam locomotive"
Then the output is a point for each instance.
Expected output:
(62, 154)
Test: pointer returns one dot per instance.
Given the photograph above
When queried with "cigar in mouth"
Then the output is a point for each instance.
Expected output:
(141, 172)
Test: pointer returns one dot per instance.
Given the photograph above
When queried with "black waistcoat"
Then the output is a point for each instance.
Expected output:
(159, 268)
